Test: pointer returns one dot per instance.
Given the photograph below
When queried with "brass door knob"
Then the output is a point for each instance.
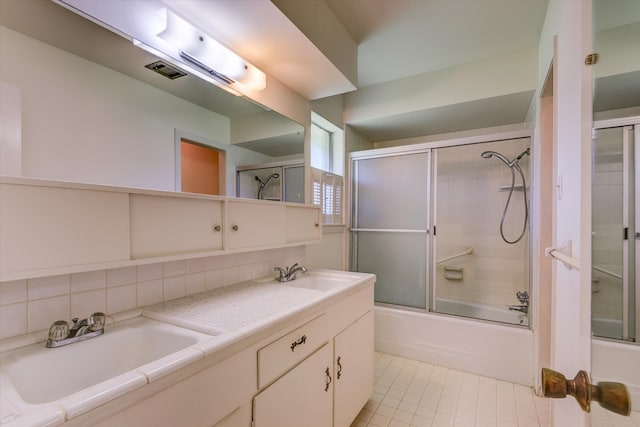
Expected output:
(611, 396)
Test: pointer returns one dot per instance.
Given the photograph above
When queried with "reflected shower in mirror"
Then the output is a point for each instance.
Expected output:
(99, 110)
(616, 102)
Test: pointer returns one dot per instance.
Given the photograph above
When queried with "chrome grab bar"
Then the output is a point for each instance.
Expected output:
(467, 251)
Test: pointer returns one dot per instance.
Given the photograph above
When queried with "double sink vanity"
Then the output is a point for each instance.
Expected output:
(295, 348)
(272, 353)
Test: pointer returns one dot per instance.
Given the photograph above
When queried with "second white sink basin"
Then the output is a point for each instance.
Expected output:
(320, 281)
(40, 375)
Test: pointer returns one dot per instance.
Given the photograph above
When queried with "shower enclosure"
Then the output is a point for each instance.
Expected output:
(616, 239)
(445, 229)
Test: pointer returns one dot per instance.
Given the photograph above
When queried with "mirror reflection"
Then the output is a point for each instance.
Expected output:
(616, 106)
(94, 108)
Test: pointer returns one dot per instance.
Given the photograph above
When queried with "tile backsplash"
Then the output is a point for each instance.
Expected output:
(31, 305)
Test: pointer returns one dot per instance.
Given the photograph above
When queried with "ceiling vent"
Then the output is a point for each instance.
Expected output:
(166, 70)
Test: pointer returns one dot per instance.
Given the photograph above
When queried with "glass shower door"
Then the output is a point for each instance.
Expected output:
(390, 226)
(615, 233)
(481, 237)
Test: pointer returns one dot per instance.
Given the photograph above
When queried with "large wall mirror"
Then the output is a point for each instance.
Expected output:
(616, 106)
(615, 308)
(93, 108)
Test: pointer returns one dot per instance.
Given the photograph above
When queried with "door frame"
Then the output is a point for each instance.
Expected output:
(179, 137)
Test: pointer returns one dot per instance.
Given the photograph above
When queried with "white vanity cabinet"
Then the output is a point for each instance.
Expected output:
(169, 225)
(303, 224)
(48, 227)
(330, 380)
(254, 224)
(354, 361)
(302, 397)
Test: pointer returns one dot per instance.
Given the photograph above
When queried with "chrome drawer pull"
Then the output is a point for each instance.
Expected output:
(301, 341)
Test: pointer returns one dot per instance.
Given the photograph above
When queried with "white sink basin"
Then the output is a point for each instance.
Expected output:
(40, 375)
(322, 281)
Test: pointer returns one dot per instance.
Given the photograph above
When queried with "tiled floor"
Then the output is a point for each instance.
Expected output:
(409, 393)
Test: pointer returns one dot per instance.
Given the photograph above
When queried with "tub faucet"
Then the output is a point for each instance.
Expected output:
(61, 334)
(523, 298)
(288, 274)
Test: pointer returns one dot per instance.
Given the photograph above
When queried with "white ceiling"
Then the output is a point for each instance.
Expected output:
(402, 38)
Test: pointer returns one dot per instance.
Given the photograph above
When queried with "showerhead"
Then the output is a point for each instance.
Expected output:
(275, 175)
(490, 154)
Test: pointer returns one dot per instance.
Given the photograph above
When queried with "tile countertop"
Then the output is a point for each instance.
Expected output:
(229, 314)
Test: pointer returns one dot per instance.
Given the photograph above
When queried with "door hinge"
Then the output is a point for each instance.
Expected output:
(625, 233)
(591, 59)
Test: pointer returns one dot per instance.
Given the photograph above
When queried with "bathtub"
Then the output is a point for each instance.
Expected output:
(490, 349)
(616, 361)
(607, 328)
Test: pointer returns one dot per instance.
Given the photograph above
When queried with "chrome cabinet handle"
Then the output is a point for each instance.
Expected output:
(328, 379)
(339, 374)
(235, 227)
(302, 340)
(217, 228)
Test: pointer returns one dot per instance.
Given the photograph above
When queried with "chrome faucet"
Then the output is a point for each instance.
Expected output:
(288, 274)
(523, 298)
(61, 334)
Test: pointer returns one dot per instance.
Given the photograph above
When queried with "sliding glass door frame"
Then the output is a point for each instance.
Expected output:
(630, 223)
(355, 229)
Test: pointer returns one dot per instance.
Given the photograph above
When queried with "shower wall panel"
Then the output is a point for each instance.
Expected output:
(471, 194)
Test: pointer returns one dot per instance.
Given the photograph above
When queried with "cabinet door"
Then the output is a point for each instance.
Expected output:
(302, 397)
(253, 224)
(303, 224)
(354, 369)
(50, 227)
(165, 225)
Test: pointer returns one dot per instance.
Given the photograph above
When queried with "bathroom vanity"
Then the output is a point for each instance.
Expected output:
(260, 353)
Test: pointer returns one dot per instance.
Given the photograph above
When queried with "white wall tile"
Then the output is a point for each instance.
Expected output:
(174, 287)
(174, 268)
(88, 281)
(149, 272)
(121, 276)
(13, 320)
(83, 304)
(149, 292)
(42, 313)
(229, 276)
(214, 262)
(213, 279)
(196, 265)
(13, 292)
(45, 287)
(195, 283)
(245, 272)
(121, 298)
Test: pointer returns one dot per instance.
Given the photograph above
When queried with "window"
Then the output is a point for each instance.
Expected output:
(327, 193)
(327, 166)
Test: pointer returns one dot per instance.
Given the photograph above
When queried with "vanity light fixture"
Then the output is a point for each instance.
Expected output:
(201, 51)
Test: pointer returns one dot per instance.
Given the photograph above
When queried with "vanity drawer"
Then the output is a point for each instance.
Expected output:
(290, 349)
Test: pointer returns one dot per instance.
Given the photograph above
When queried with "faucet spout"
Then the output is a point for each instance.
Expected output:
(521, 308)
(61, 334)
(288, 274)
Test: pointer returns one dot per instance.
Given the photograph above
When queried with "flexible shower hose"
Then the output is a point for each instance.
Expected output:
(506, 206)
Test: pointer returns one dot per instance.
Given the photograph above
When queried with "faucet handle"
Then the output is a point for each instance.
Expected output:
(59, 330)
(97, 321)
(281, 271)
